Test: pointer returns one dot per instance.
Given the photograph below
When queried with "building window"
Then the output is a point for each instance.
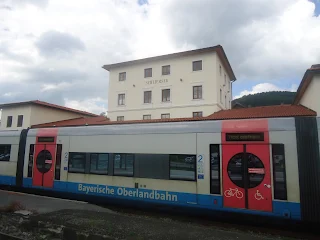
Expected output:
(165, 95)
(220, 71)
(225, 101)
(197, 114)
(182, 167)
(20, 121)
(99, 163)
(147, 117)
(77, 162)
(220, 95)
(5, 151)
(120, 118)
(122, 76)
(165, 115)
(147, 97)
(166, 70)
(9, 121)
(121, 99)
(148, 72)
(197, 92)
(123, 164)
(225, 79)
(197, 65)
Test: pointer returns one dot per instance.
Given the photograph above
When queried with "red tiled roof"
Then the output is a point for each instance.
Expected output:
(218, 49)
(284, 110)
(243, 113)
(308, 75)
(81, 121)
(50, 105)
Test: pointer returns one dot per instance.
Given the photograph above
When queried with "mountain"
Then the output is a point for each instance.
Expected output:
(265, 99)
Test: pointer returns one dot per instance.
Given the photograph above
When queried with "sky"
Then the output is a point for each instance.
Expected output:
(53, 50)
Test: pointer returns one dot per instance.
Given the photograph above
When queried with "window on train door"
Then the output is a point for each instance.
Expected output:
(99, 163)
(123, 164)
(279, 172)
(182, 167)
(58, 162)
(215, 187)
(30, 161)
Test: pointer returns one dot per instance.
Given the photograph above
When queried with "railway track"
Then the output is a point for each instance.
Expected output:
(253, 224)
(245, 225)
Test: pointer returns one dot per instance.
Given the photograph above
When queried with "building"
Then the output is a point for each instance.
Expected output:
(308, 90)
(186, 84)
(21, 115)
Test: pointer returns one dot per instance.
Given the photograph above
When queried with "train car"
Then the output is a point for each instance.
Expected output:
(9, 149)
(263, 167)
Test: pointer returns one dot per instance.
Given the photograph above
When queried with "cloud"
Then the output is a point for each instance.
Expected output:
(56, 55)
(53, 43)
(97, 105)
(265, 87)
(22, 3)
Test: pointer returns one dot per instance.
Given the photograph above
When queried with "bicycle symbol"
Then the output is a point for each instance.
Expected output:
(258, 195)
(233, 192)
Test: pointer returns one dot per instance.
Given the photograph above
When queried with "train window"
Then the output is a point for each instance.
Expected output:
(5, 151)
(99, 163)
(58, 162)
(30, 161)
(155, 166)
(235, 169)
(215, 187)
(77, 162)
(279, 172)
(123, 164)
(182, 167)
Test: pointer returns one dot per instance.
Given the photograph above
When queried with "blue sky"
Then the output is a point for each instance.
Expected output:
(58, 53)
(317, 10)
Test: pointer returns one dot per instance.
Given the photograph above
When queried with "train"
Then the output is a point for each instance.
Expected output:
(266, 167)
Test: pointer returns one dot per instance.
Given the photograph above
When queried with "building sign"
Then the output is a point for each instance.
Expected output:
(156, 81)
(235, 137)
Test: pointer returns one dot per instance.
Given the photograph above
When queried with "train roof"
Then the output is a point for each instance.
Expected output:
(10, 133)
(208, 126)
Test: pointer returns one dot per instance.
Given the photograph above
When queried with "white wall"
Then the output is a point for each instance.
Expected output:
(311, 98)
(14, 112)
(224, 85)
(182, 103)
(40, 114)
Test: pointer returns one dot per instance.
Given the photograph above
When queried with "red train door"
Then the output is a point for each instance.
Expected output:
(246, 168)
(44, 158)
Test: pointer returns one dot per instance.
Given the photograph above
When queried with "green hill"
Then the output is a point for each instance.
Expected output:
(266, 99)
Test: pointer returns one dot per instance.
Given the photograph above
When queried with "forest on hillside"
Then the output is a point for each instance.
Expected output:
(266, 99)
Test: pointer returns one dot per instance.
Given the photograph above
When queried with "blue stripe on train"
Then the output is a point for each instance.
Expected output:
(7, 180)
(213, 202)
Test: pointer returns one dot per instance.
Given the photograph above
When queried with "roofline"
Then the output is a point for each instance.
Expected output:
(305, 83)
(48, 105)
(217, 48)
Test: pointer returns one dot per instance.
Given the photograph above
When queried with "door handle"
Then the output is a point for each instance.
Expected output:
(267, 185)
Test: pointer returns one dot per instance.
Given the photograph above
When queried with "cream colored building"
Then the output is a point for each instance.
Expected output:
(22, 115)
(185, 84)
(308, 91)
